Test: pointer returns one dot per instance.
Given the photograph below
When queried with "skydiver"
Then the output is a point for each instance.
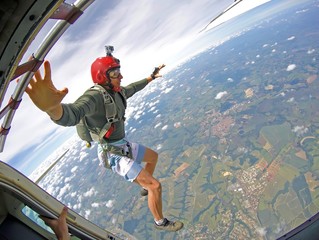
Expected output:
(90, 106)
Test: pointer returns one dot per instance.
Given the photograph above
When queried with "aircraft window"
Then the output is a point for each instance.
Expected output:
(34, 216)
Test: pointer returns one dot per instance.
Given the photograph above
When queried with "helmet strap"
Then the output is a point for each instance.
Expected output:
(111, 86)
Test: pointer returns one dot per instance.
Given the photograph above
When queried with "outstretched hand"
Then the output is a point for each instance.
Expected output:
(59, 226)
(44, 94)
(155, 73)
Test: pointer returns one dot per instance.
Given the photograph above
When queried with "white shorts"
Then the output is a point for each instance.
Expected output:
(122, 165)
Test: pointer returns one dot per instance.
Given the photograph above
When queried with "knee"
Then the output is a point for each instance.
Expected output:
(156, 186)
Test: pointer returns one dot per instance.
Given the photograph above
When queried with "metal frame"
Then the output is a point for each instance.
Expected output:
(21, 191)
(67, 14)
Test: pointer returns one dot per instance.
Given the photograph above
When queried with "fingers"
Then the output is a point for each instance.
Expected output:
(47, 73)
(161, 66)
(30, 86)
(27, 90)
(64, 213)
(37, 75)
(155, 73)
(159, 75)
(47, 70)
(51, 222)
(65, 91)
(47, 221)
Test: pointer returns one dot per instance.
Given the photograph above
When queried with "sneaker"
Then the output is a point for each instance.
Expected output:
(169, 225)
(144, 192)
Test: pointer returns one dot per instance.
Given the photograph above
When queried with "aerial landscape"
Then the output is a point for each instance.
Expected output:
(237, 132)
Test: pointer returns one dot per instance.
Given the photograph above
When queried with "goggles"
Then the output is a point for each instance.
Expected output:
(115, 73)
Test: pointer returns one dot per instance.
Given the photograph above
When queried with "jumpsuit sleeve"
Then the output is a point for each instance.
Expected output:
(133, 88)
(86, 104)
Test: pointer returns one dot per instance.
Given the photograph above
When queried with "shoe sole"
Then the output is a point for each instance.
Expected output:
(168, 228)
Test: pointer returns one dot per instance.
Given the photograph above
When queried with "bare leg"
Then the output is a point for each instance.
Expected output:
(154, 193)
(150, 159)
(154, 188)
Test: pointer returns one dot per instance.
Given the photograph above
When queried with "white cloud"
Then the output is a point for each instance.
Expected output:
(73, 194)
(167, 90)
(165, 127)
(90, 193)
(63, 190)
(311, 51)
(152, 109)
(291, 67)
(220, 95)
(300, 130)
(292, 99)
(74, 169)
(87, 213)
(261, 231)
(77, 206)
(110, 203)
(159, 146)
(291, 38)
(95, 205)
(138, 114)
(68, 179)
(151, 104)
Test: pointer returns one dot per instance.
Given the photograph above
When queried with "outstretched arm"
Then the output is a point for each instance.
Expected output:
(44, 94)
(133, 88)
(59, 226)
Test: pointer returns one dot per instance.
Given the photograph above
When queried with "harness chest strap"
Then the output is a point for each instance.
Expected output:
(110, 112)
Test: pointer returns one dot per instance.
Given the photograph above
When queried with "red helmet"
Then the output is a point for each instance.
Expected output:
(100, 66)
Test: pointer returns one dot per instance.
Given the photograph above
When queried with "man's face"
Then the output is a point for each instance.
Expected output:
(115, 76)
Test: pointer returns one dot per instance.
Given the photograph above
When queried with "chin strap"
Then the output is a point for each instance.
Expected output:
(111, 86)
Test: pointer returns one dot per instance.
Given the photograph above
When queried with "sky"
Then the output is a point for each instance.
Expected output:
(144, 33)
